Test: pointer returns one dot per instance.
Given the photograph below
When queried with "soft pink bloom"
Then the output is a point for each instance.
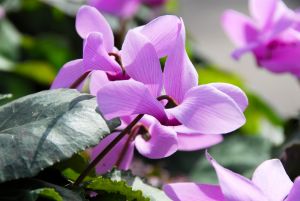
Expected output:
(196, 119)
(98, 61)
(269, 183)
(271, 34)
(123, 8)
(201, 115)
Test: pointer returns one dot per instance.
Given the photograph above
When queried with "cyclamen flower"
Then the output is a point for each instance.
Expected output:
(183, 116)
(101, 60)
(272, 35)
(123, 8)
(269, 183)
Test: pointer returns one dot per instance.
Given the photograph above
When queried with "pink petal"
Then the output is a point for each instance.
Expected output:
(193, 142)
(239, 28)
(234, 186)
(98, 79)
(120, 8)
(128, 97)
(68, 74)
(209, 111)
(111, 158)
(263, 11)
(234, 92)
(283, 59)
(272, 179)
(141, 61)
(96, 57)
(162, 143)
(194, 192)
(162, 33)
(237, 53)
(295, 192)
(180, 74)
(88, 20)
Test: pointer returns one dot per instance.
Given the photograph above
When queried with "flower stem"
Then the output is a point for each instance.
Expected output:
(107, 149)
(131, 136)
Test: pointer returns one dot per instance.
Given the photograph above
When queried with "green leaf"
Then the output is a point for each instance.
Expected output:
(41, 129)
(172, 6)
(243, 155)
(40, 72)
(48, 193)
(154, 194)
(120, 188)
(72, 167)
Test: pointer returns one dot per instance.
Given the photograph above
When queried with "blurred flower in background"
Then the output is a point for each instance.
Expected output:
(271, 34)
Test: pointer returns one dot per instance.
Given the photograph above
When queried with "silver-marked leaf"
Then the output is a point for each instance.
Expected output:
(41, 129)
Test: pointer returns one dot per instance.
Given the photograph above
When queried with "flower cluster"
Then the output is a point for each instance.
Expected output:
(123, 8)
(272, 35)
(172, 111)
(269, 183)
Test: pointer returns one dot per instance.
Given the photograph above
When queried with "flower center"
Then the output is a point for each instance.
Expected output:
(171, 102)
(118, 60)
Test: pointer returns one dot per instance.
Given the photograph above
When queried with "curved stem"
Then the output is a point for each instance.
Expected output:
(77, 82)
(125, 148)
(107, 149)
(171, 102)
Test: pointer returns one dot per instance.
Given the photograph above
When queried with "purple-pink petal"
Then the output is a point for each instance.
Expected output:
(193, 142)
(162, 142)
(239, 28)
(98, 79)
(96, 57)
(141, 61)
(263, 11)
(180, 74)
(128, 97)
(194, 192)
(110, 160)
(234, 92)
(88, 20)
(236, 187)
(283, 59)
(209, 111)
(294, 194)
(162, 33)
(271, 178)
(68, 74)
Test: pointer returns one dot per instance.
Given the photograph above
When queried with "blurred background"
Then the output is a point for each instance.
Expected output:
(38, 36)
(202, 18)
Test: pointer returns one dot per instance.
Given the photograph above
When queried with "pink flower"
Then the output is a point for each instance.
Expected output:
(272, 35)
(269, 183)
(179, 114)
(101, 60)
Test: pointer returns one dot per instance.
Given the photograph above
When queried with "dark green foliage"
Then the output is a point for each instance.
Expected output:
(39, 130)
